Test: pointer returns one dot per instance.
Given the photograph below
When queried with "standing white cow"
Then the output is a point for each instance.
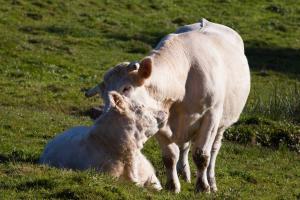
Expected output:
(112, 145)
(199, 74)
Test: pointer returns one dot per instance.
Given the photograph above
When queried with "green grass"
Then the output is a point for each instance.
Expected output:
(52, 50)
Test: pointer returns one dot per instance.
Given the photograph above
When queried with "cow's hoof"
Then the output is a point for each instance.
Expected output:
(172, 186)
(202, 187)
(185, 173)
(213, 184)
(213, 188)
(187, 178)
(157, 187)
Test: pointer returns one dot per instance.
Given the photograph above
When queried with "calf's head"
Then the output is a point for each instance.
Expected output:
(126, 117)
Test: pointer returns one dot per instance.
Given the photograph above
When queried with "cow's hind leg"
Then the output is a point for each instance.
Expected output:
(214, 152)
(183, 166)
(170, 154)
(202, 147)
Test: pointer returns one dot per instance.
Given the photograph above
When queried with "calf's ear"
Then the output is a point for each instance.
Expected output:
(145, 68)
(117, 101)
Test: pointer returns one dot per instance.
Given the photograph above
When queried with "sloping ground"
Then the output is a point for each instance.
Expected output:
(51, 50)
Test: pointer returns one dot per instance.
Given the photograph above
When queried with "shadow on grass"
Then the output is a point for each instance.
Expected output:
(18, 156)
(93, 112)
(36, 184)
(65, 194)
(284, 60)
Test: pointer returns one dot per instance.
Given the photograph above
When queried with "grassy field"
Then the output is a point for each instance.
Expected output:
(50, 51)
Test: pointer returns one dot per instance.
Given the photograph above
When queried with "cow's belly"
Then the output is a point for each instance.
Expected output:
(235, 101)
(184, 123)
(201, 95)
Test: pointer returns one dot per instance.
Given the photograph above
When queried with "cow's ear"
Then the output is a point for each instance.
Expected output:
(98, 89)
(145, 68)
(117, 101)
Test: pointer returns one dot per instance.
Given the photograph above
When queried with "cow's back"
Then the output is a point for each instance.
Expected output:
(219, 71)
(213, 28)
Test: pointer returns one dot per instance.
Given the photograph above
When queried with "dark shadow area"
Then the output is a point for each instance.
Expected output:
(18, 156)
(65, 194)
(284, 60)
(93, 112)
(36, 184)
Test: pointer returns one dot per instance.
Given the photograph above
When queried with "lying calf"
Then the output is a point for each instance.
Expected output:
(112, 145)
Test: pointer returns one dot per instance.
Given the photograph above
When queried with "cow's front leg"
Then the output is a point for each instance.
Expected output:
(170, 154)
(183, 166)
(202, 147)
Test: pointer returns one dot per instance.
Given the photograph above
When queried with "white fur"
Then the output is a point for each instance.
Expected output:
(204, 74)
(200, 75)
(112, 145)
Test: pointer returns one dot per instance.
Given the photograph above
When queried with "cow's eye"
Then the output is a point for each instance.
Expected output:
(126, 90)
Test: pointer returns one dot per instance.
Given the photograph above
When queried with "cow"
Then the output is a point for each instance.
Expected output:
(200, 76)
(112, 145)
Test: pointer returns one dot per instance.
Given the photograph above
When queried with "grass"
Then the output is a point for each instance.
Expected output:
(50, 51)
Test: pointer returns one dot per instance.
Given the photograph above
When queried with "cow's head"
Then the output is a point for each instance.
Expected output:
(127, 79)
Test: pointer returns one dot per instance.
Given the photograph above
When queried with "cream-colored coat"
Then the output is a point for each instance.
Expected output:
(112, 145)
(200, 75)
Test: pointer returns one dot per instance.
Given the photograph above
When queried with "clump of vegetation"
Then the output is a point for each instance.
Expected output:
(280, 103)
(265, 132)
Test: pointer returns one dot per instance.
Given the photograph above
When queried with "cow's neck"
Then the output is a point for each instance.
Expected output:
(170, 69)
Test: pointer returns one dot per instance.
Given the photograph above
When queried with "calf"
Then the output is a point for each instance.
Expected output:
(112, 145)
